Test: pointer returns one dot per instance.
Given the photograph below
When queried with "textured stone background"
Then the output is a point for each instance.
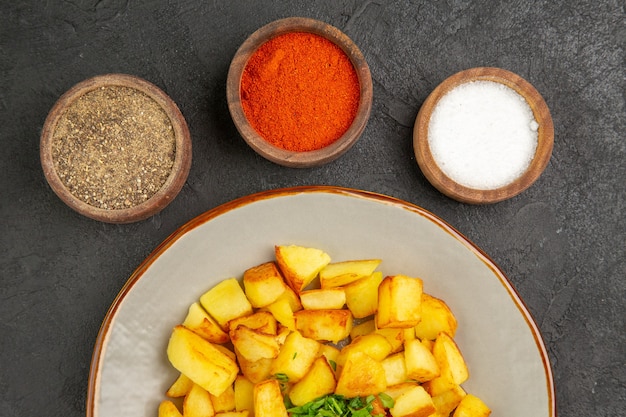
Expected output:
(562, 242)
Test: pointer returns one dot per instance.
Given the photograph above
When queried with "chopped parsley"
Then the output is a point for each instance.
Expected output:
(339, 406)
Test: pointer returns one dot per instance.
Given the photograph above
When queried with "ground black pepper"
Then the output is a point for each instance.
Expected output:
(114, 147)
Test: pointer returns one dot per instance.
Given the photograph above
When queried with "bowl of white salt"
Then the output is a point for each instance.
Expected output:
(483, 135)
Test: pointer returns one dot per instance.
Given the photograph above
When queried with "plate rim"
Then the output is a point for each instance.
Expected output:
(104, 330)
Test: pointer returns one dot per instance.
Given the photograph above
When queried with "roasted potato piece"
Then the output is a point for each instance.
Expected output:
(254, 345)
(201, 361)
(420, 362)
(300, 265)
(324, 325)
(295, 357)
(471, 406)
(450, 360)
(268, 399)
(374, 345)
(263, 284)
(436, 317)
(363, 328)
(413, 402)
(323, 299)
(331, 353)
(339, 274)
(319, 381)
(225, 401)
(395, 369)
(198, 403)
(262, 321)
(168, 409)
(202, 323)
(244, 394)
(448, 400)
(283, 313)
(362, 295)
(241, 413)
(399, 302)
(180, 387)
(361, 376)
(395, 337)
(226, 301)
(255, 371)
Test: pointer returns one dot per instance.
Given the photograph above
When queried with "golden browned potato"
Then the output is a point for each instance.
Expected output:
(323, 299)
(448, 400)
(263, 284)
(374, 345)
(226, 301)
(241, 413)
(225, 401)
(244, 394)
(255, 371)
(471, 406)
(339, 274)
(300, 265)
(262, 321)
(254, 345)
(399, 302)
(436, 317)
(268, 399)
(296, 356)
(413, 402)
(361, 376)
(395, 368)
(201, 361)
(168, 409)
(202, 323)
(198, 403)
(180, 387)
(362, 295)
(421, 365)
(450, 360)
(319, 381)
(324, 325)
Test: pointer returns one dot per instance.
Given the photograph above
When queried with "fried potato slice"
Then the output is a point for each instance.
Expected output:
(300, 265)
(339, 274)
(361, 376)
(324, 325)
(226, 301)
(319, 381)
(168, 409)
(201, 361)
(268, 399)
(263, 284)
(399, 302)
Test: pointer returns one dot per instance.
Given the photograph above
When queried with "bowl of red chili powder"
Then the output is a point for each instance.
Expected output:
(300, 92)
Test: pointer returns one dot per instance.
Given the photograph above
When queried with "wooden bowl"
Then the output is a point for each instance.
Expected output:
(462, 193)
(257, 142)
(161, 197)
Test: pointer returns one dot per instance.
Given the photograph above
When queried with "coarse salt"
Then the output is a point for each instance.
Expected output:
(483, 134)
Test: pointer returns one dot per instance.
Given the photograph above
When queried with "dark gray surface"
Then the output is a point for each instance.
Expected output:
(562, 242)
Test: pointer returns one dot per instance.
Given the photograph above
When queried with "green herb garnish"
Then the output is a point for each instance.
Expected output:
(339, 406)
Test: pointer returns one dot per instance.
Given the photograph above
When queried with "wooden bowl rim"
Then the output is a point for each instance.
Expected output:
(257, 142)
(541, 158)
(172, 185)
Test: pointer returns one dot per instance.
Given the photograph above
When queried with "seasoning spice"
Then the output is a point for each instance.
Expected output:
(483, 134)
(300, 91)
(114, 147)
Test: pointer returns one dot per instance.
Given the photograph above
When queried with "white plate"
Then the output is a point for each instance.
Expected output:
(502, 345)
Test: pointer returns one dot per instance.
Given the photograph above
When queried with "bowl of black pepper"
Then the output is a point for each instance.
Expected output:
(115, 148)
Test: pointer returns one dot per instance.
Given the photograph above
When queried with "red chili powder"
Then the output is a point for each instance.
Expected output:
(300, 91)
